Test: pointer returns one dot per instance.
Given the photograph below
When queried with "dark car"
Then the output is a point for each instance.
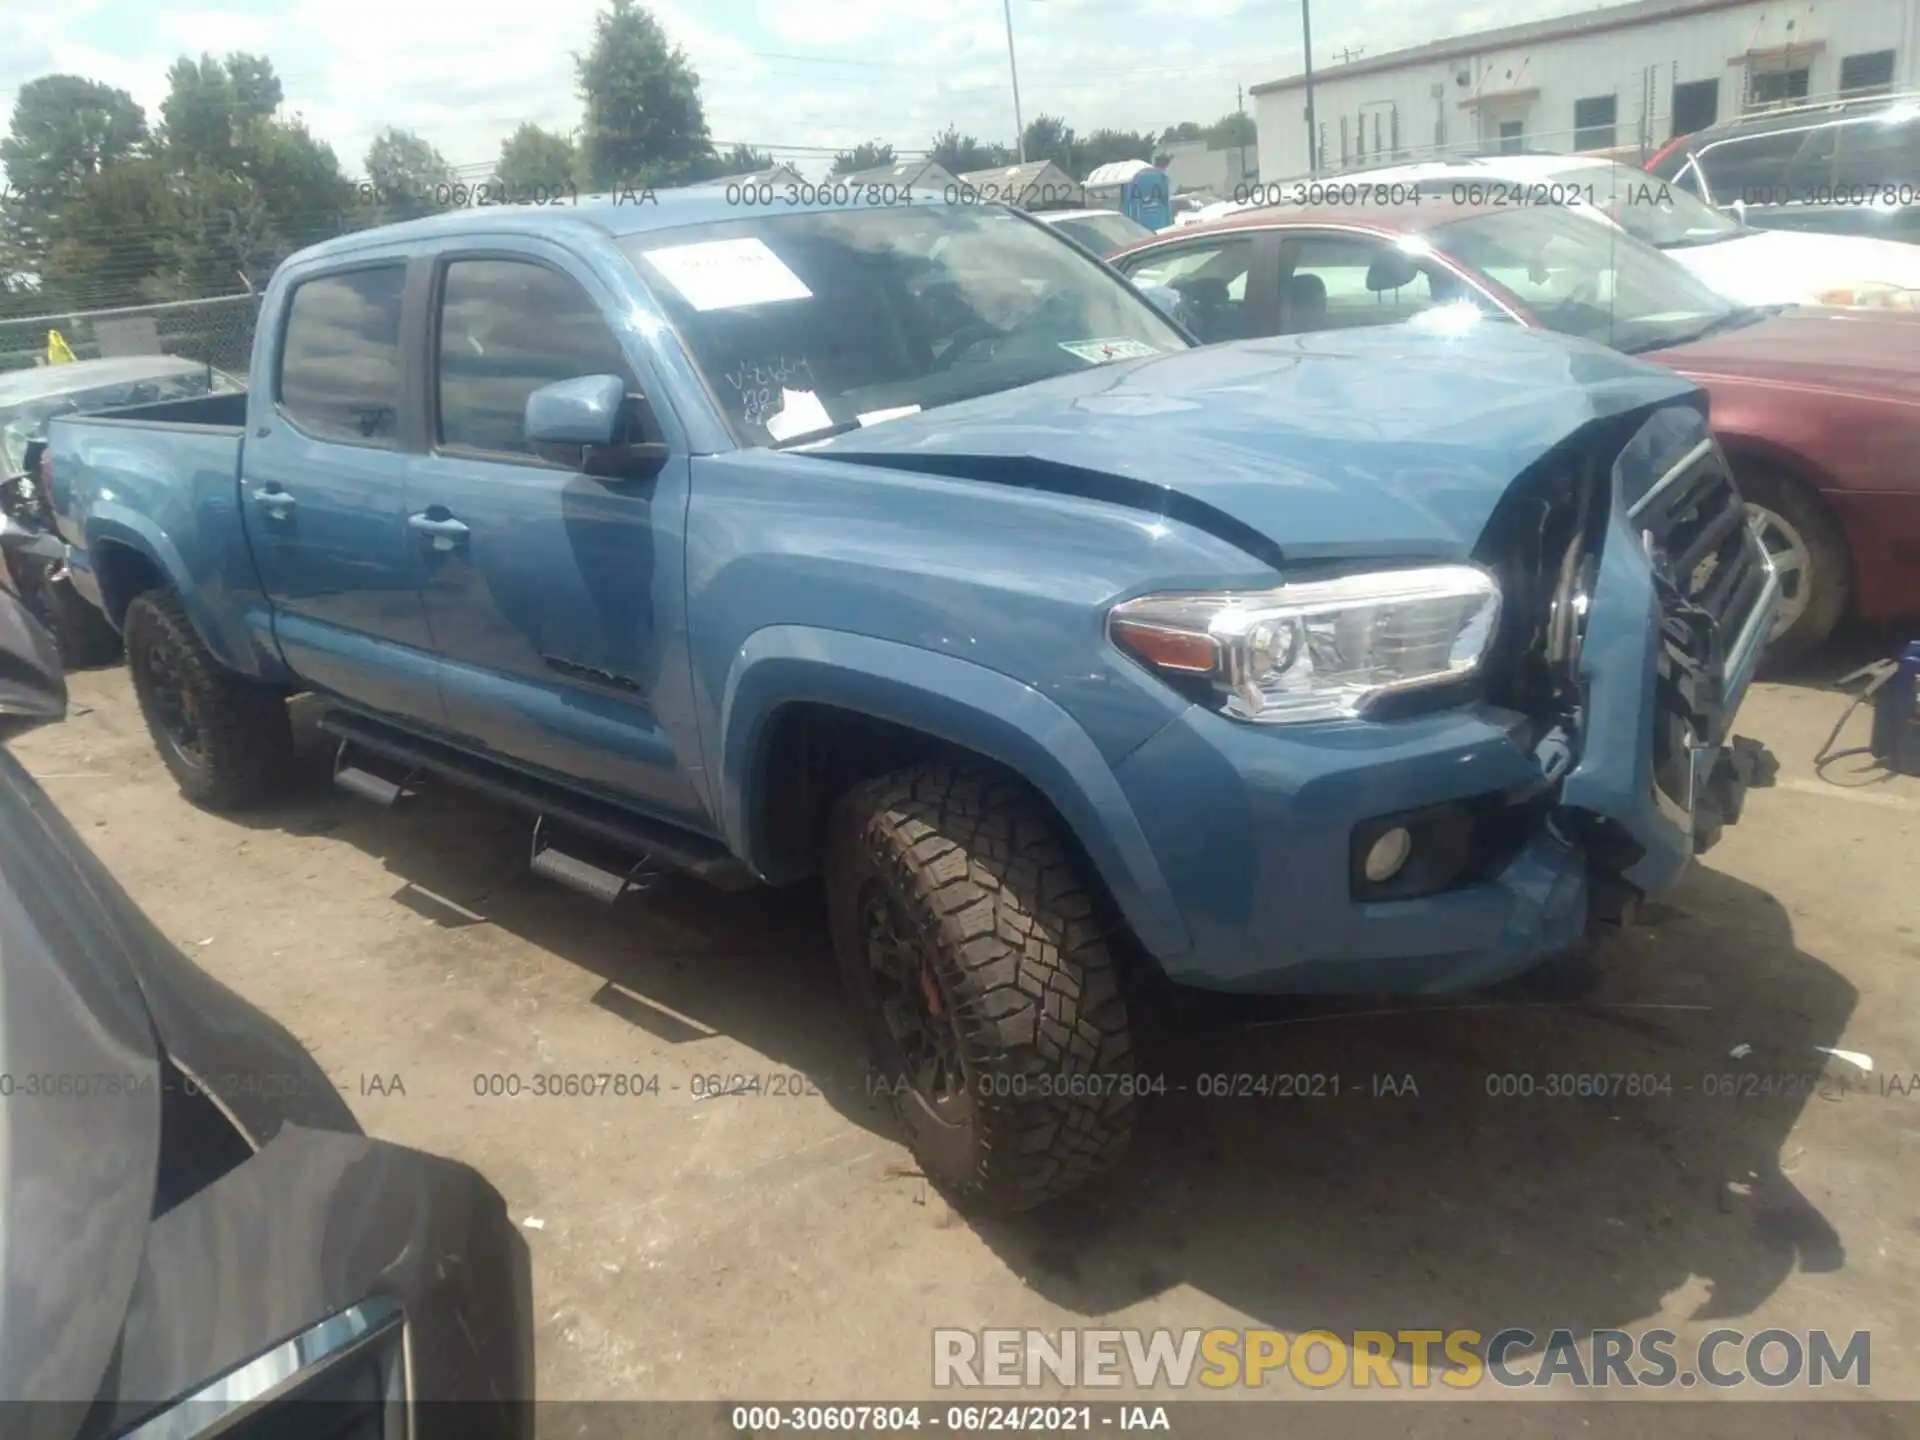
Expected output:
(1816, 409)
(1849, 167)
(198, 1239)
(33, 556)
(1101, 231)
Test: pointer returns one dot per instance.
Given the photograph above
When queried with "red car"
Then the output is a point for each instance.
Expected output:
(1818, 410)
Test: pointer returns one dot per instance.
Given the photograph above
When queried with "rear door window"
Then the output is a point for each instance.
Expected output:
(1750, 168)
(1212, 278)
(340, 367)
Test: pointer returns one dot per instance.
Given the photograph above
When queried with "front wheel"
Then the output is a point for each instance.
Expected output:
(1809, 553)
(227, 740)
(993, 1006)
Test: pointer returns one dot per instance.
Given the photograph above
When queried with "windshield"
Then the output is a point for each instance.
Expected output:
(1651, 210)
(1104, 234)
(801, 323)
(26, 421)
(1587, 280)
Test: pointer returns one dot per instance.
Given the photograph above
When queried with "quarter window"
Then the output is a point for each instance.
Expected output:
(340, 359)
(508, 327)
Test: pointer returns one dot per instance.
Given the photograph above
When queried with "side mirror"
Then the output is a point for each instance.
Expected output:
(586, 411)
(1168, 301)
(588, 421)
(33, 686)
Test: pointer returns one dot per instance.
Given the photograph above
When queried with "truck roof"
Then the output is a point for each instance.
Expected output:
(621, 213)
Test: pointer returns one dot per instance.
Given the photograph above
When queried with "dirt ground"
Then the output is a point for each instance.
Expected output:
(781, 1245)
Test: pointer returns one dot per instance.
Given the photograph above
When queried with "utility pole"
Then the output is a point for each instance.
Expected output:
(1313, 131)
(1014, 70)
(1240, 102)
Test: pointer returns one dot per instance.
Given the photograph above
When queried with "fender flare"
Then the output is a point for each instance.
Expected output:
(115, 525)
(956, 700)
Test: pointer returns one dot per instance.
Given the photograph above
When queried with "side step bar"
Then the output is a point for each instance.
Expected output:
(371, 784)
(666, 846)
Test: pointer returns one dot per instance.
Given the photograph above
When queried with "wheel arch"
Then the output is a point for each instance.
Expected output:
(806, 713)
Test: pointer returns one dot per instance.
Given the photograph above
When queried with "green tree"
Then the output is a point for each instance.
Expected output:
(958, 154)
(210, 106)
(298, 179)
(868, 155)
(644, 124)
(534, 163)
(407, 174)
(1050, 138)
(110, 240)
(65, 131)
(1104, 147)
(1231, 130)
(745, 160)
(1185, 130)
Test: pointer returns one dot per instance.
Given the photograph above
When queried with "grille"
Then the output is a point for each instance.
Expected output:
(1711, 573)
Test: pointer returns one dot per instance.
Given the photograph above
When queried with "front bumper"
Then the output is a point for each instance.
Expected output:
(1254, 827)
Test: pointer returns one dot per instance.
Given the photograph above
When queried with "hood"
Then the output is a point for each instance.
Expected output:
(1854, 351)
(1389, 441)
(1791, 267)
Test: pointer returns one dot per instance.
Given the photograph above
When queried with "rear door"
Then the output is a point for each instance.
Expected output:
(323, 489)
(554, 596)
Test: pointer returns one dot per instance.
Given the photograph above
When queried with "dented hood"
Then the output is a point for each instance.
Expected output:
(1393, 440)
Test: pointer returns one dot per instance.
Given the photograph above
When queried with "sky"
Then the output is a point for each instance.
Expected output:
(802, 78)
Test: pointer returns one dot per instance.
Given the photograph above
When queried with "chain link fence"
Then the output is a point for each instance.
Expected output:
(216, 332)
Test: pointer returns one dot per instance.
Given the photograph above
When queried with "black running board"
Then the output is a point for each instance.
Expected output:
(682, 850)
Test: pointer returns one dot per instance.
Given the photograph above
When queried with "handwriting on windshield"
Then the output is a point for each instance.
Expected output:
(762, 384)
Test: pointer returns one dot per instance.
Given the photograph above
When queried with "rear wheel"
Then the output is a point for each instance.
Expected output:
(1809, 552)
(990, 996)
(227, 740)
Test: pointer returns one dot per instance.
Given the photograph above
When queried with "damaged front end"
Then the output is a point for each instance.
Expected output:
(1639, 599)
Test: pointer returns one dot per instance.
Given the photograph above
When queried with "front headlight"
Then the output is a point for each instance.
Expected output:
(1318, 649)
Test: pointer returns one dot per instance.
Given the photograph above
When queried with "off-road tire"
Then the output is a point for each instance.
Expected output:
(246, 732)
(1829, 560)
(82, 632)
(1015, 939)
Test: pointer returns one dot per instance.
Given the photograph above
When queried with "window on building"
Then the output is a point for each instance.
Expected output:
(1869, 74)
(340, 360)
(1696, 105)
(1593, 122)
(1775, 87)
(1346, 145)
(1513, 136)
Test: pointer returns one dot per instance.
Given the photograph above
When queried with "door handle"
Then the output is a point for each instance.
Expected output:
(444, 533)
(276, 500)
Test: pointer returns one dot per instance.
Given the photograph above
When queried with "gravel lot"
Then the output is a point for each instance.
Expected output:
(782, 1244)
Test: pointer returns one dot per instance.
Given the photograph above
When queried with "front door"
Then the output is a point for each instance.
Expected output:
(552, 595)
(324, 489)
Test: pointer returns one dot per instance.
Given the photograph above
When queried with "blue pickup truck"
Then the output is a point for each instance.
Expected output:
(908, 547)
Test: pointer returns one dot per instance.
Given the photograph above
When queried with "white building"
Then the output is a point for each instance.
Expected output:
(1191, 166)
(1624, 76)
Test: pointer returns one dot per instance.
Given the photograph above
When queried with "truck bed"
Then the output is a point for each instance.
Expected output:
(201, 412)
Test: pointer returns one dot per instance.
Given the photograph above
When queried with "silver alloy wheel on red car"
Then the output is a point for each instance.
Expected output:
(1793, 562)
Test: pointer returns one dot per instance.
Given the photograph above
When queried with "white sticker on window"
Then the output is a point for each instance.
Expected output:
(723, 274)
(1098, 352)
(800, 411)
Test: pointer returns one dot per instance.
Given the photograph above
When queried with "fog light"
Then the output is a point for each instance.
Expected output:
(1388, 854)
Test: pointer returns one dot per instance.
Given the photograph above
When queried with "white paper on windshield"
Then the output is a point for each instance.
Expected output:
(723, 274)
(874, 417)
(1097, 352)
(800, 411)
